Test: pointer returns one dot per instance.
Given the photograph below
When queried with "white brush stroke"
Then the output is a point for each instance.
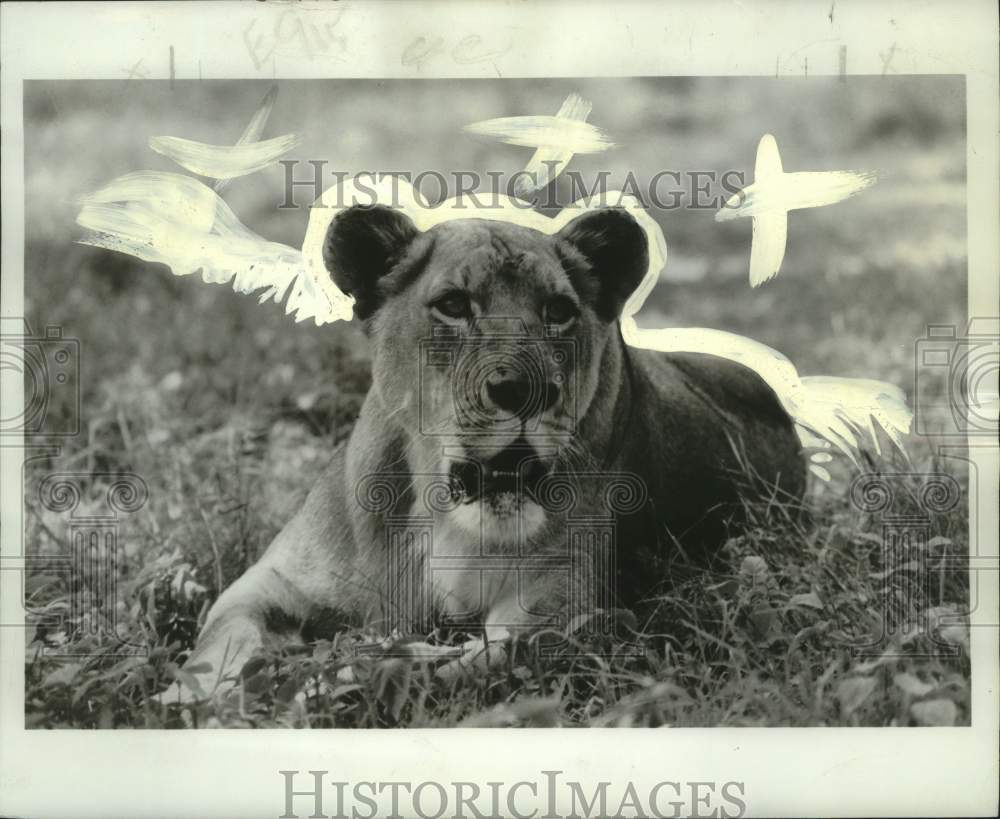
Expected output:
(223, 161)
(254, 129)
(842, 411)
(548, 162)
(774, 193)
(227, 162)
(555, 139)
(181, 222)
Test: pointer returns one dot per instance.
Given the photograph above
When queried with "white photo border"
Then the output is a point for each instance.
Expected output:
(787, 772)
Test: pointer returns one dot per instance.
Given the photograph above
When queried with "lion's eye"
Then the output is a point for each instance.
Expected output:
(560, 310)
(455, 304)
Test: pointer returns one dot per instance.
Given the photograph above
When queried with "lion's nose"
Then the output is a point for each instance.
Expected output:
(523, 397)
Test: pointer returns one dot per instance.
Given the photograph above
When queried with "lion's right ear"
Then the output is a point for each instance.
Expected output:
(362, 244)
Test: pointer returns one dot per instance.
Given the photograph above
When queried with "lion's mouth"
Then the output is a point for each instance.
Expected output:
(505, 481)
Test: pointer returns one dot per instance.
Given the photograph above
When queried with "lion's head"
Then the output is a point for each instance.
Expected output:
(488, 340)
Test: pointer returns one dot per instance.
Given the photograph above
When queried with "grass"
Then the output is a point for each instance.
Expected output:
(770, 637)
(228, 413)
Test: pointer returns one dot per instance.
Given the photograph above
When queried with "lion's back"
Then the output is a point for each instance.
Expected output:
(696, 397)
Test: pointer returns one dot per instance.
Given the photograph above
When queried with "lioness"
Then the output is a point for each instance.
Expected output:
(515, 461)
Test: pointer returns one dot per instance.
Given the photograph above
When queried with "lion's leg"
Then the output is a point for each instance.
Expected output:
(238, 624)
(309, 568)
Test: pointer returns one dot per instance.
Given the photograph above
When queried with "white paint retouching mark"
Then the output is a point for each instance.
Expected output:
(774, 193)
(555, 140)
(226, 162)
(254, 128)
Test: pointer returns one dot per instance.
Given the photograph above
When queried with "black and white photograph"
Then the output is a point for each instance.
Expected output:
(475, 397)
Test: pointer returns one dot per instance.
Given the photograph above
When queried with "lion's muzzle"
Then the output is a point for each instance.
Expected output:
(509, 478)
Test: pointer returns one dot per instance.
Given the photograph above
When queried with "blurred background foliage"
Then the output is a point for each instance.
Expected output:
(860, 280)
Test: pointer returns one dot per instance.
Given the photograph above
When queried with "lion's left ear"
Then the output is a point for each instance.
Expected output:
(362, 244)
(606, 256)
